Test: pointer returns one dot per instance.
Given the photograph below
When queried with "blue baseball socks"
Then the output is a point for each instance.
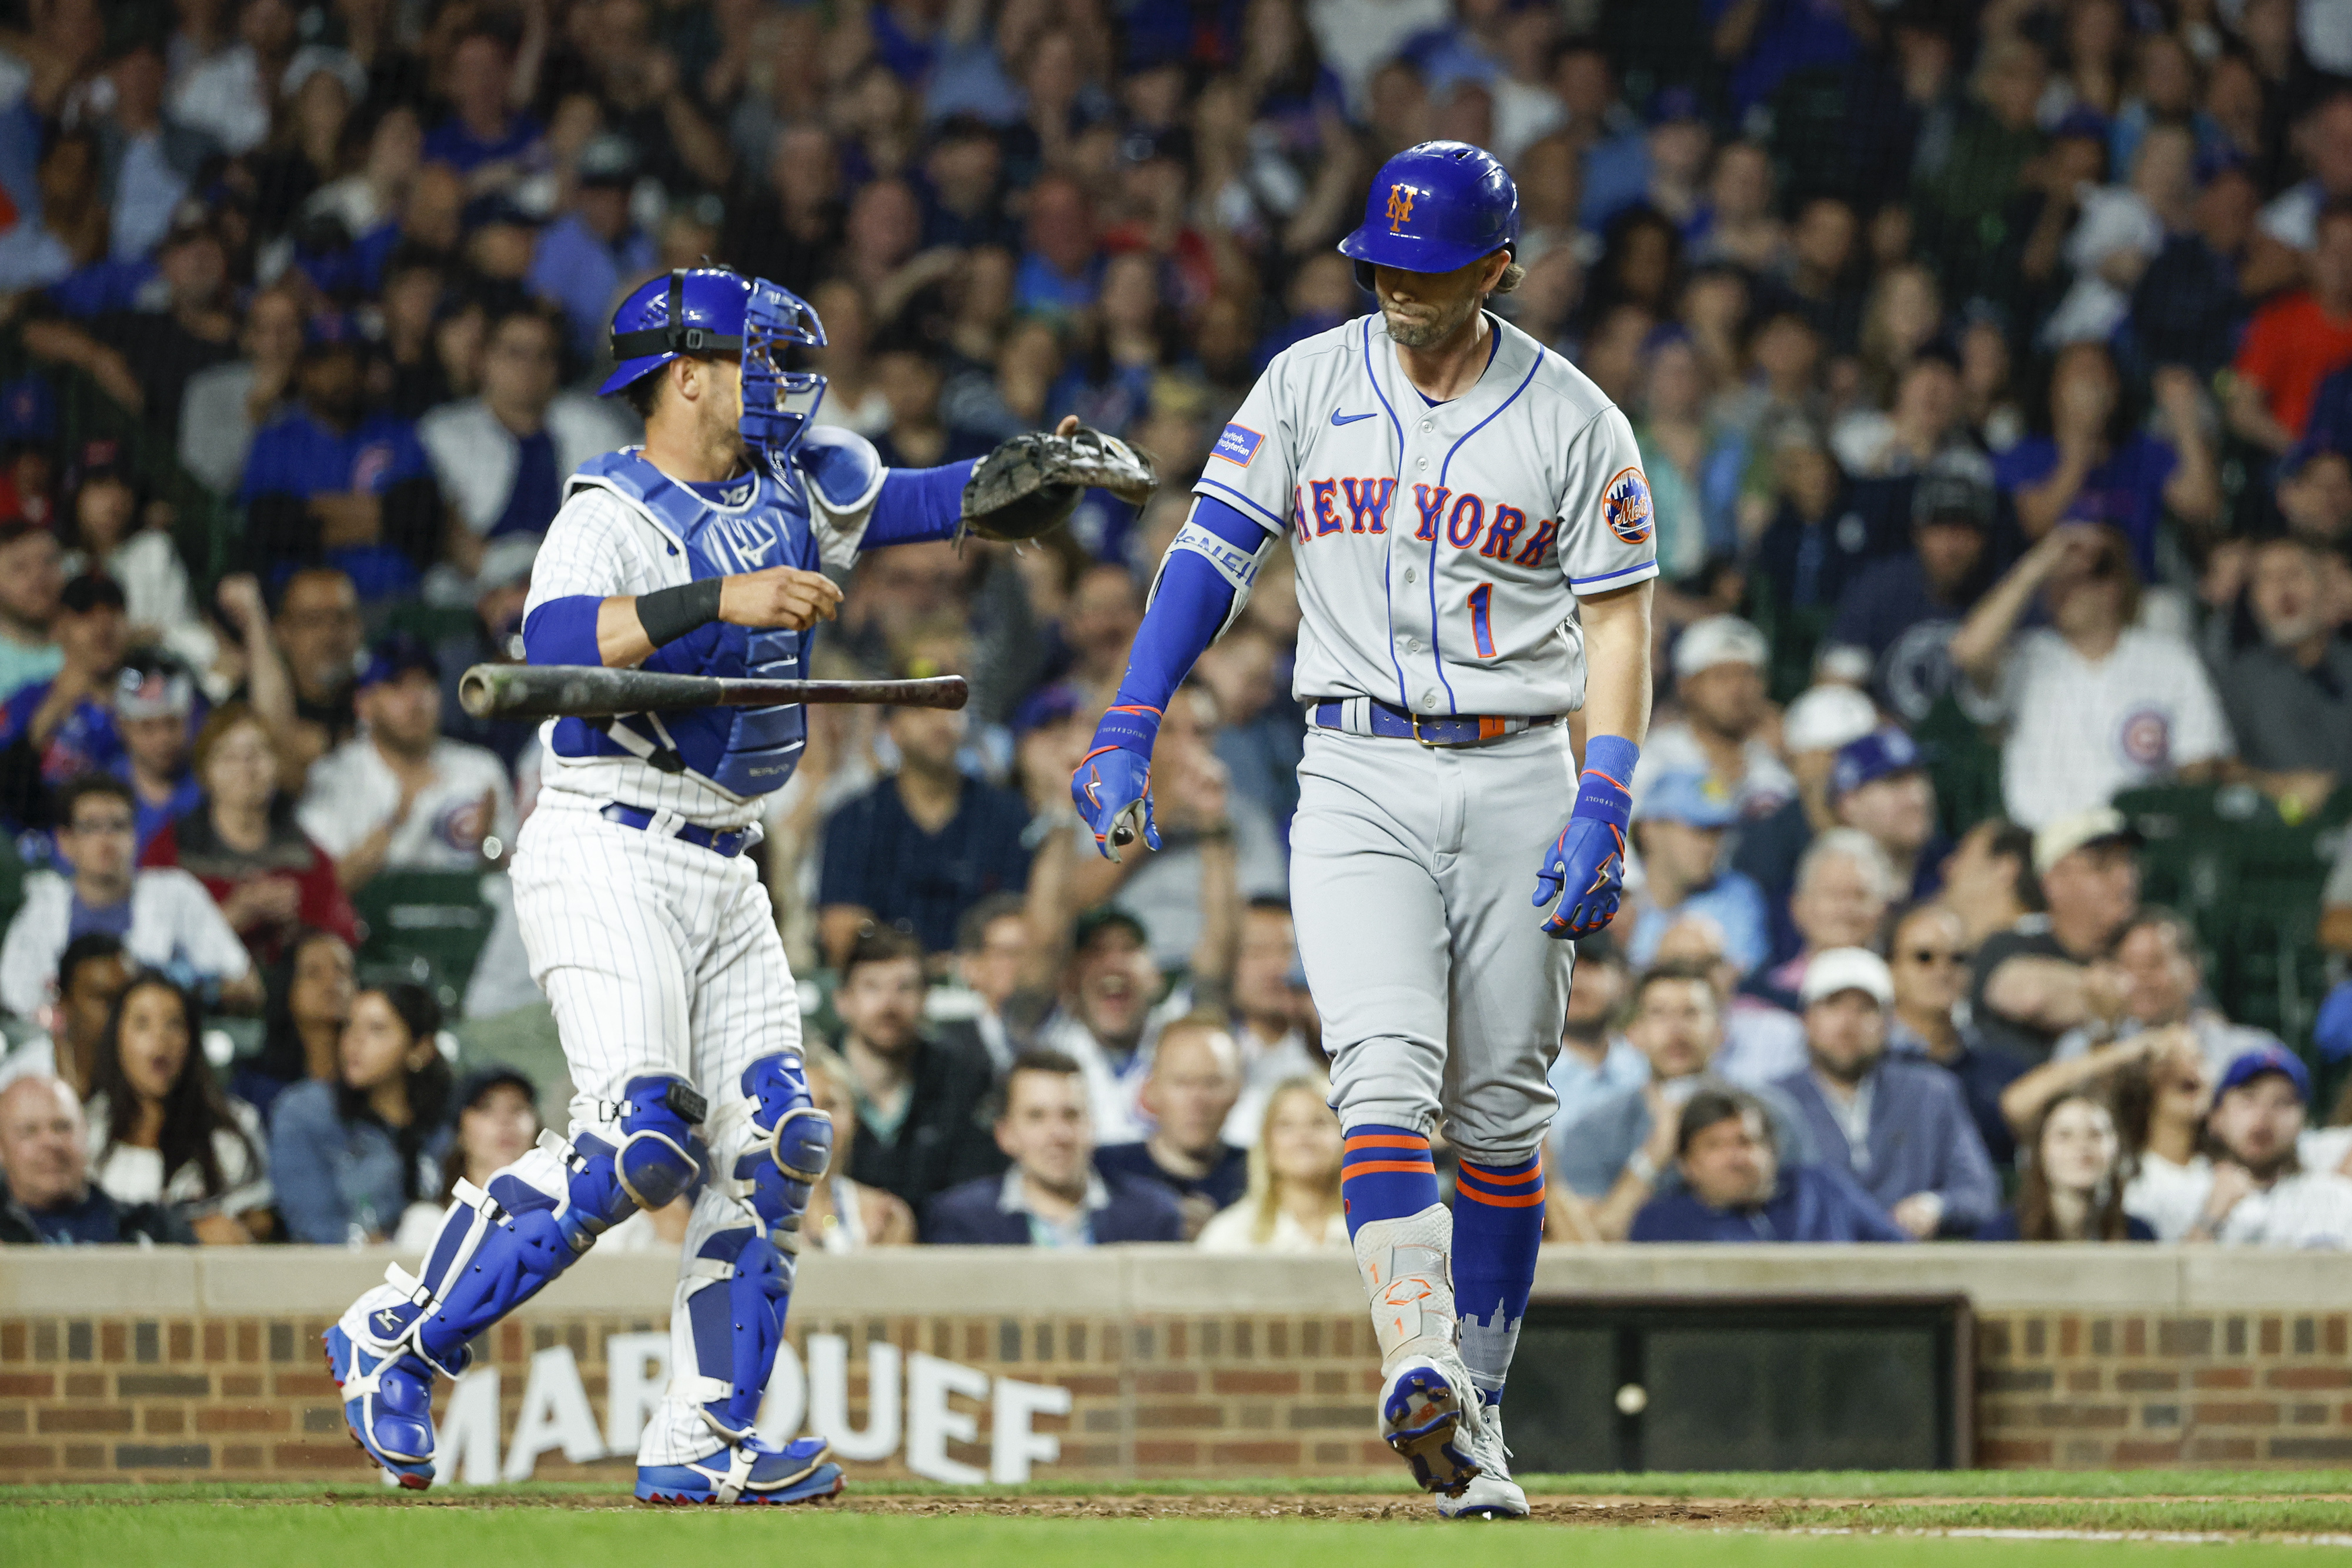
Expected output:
(1499, 1217)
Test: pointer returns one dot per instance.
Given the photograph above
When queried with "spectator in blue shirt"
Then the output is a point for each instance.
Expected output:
(1879, 784)
(1195, 1083)
(486, 139)
(350, 1157)
(63, 727)
(1897, 1125)
(1679, 831)
(2094, 467)
(922, 846)
(48, 1198)
(1735, 1187)
(590, 253)
(331, 481)
(1053, 1196)
(1059, 271)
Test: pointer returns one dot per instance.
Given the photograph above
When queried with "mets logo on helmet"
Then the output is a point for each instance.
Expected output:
(1625, 506)
(1400, 208)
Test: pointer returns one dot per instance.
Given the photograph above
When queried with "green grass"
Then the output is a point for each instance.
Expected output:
(1834, 1484)
(188, 1535)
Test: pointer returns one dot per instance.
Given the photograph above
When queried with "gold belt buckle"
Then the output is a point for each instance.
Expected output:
(1433, 745)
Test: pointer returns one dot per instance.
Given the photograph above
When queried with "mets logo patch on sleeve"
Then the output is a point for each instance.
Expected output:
(1625, 506)
(1237, 446)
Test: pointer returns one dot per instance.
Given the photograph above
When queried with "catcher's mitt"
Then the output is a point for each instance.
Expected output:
(1031, 482)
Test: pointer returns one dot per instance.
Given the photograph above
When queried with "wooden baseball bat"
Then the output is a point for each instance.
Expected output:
(588, 691)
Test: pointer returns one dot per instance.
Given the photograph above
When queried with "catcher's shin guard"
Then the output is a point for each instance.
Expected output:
(495, 1251)
(728, 1337)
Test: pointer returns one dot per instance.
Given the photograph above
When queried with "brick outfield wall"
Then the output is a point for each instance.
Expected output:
(1153, 1396)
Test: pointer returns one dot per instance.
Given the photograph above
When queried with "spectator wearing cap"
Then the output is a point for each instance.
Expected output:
(1896, 1124)
(60, 728)
(2289, 697)
(2096, 703)
(30, 585)
(49, 1199)
(501, 456)
(485, 138)
(398, 796)
(501, 588)
(1678, 831)
(498, 1123)
(923, 845)
(1719, 682)
(1737, 1188)
(921, 1129)
(164, 918)
(2043, 977)
(1845, 887)
(594, 247)
(222, 406)
(1899, 614)
(2258, 1193)
(2096, 466)
(1052, 1195)
(154, 712)
(330, 481)
(1927, 959)
(2296, 340)
(1880, 785)
(240, 840)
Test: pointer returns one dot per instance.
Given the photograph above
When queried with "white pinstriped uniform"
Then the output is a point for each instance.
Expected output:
(658, 955)
(1440, 551)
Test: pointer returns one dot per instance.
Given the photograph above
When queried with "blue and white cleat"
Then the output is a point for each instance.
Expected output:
(750, 1472)
(1492, 1494)
(1428, 1415)
(387, 1405)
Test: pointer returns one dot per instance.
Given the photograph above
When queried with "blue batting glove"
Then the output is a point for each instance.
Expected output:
(1112, 786)
(1584, 870)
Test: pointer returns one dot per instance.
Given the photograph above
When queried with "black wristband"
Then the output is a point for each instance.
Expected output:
(668, 614)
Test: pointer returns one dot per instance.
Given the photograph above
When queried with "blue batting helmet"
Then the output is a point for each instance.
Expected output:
(718, 311)
(1433, 208)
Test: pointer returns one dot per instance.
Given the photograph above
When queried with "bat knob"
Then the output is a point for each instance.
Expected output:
(1122, 836)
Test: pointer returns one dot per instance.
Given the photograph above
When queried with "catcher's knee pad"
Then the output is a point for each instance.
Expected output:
(790, 1145)
(657, 1115)
(738, 1285)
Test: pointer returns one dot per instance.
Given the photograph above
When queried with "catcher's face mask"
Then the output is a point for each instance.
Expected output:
(778, 399)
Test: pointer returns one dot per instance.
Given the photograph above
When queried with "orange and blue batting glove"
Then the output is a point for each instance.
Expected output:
(1584, 870)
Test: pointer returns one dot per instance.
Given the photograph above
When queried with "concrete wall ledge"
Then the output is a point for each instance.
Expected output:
(1148, 1279)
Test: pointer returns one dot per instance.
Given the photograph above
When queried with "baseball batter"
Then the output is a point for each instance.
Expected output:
(1474, 544)
(702, 552)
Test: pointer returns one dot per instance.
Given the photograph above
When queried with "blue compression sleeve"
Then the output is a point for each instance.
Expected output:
(563, 632)
(917, 504)
(1192, 603)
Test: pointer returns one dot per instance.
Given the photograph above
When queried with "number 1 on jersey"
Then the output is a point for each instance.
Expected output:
(1482, 623)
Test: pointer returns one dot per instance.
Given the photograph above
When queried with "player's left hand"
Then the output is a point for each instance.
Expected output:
(1587, 859)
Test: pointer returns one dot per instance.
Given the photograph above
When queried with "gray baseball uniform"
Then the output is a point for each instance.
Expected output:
(1439, 549)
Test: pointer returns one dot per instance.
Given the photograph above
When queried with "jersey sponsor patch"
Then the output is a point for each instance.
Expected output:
(1237, 446)
(1625, 506)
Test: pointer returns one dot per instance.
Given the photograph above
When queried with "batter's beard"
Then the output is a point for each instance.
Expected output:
(1413, 332)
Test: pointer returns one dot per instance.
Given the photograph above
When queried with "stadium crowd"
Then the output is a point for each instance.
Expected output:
(1991, 363)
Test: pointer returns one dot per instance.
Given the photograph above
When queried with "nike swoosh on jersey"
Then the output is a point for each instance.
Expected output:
(1339, 418)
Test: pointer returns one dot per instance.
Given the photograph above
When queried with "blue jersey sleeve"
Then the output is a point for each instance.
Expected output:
(1191, 605)
(917, 505)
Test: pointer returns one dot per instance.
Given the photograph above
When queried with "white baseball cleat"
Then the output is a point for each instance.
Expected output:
(1492, 1494)
(1427, 1415)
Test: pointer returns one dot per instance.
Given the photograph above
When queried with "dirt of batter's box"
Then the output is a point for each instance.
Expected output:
(1550, 1510)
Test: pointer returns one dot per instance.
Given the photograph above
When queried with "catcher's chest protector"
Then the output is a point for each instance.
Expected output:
(745, 751)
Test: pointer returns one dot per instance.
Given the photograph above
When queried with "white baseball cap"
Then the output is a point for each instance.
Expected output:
(1720, 640)
(1827, 718)
(1846, 969)
(2064, 837)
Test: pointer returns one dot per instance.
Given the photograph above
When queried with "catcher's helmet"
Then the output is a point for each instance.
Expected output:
(718, 311)
(1433, 208)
